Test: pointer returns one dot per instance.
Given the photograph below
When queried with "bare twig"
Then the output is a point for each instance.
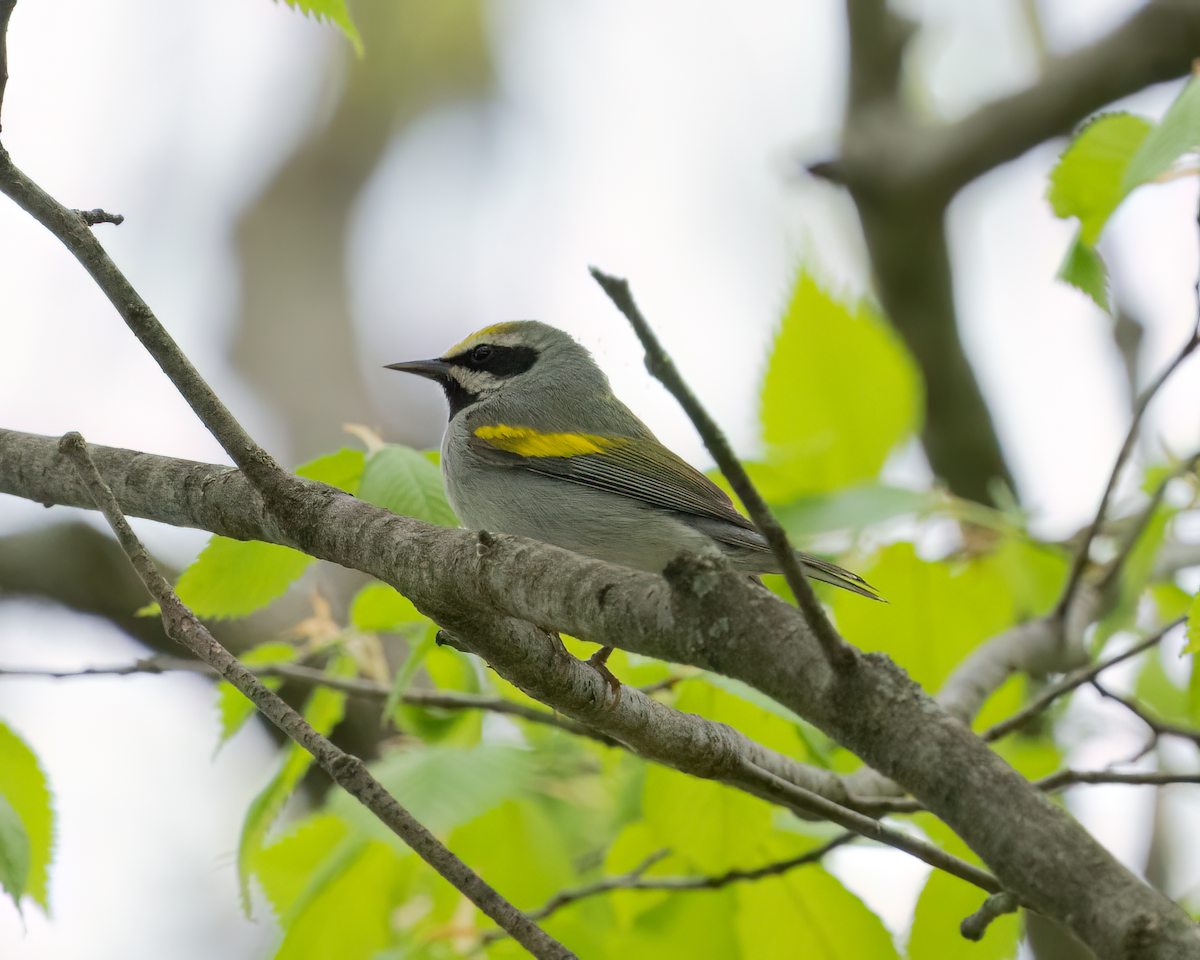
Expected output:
(347, 771)
(806, 800)
(1081, 556)
(6, 9)
(975, 926)
(839, 653)
(1160, 728)
(635, 880)
(93, 217)
(1117, 564)
(1070, 778)
(1072, 680)
(72, 229)
(353, 686)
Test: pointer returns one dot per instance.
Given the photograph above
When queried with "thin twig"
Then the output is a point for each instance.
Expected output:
(353, 686)
(805, 800)
(346, 770)
(70, 228)
(1072, 680)
(635, 880)
(1117, 564)
(1161, 728)
(1070, 778)
(1139, 409)
(975, 926)
(839, 653)
(6, 9)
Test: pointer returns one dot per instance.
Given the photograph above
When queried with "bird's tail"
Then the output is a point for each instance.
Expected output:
(818, 569)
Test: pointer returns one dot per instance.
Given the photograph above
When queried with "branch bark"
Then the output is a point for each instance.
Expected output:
(490, 590)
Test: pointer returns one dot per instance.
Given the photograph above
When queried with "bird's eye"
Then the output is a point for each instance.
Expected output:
(481, 353)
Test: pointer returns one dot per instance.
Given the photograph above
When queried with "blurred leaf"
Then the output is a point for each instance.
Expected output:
(233, 578)
(343, 469)
(335, 12)
(1158, 691)
(946, 901)
(24, 788)
(286, 865)
(1083, 269)
(839, 394)
(233, 707)
(403, 480)
(1135, 575)
(449, 670)
(851, 509)
(1193, 626)
(1087, 180)
(378, 608)
(443, 787)
(15, 853)
(751, 712)
(808, 913)
(1179, 133)
(936, 613)
(323, 711)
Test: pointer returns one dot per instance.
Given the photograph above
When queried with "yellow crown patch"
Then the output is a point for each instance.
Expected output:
(494, 329)
(533, 443)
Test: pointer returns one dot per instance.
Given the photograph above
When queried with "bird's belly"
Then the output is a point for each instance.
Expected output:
(576, 517)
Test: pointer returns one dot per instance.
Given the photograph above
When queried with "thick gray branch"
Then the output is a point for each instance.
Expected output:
(489, 590)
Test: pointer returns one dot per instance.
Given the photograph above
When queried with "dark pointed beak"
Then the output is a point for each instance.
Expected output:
(438, 370)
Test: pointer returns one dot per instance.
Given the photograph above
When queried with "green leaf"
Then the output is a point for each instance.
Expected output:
(808, 913)
(343, 469)
(24, 788)
(378, 608)
(946, 901)
(443, 787)
(1193, 626)
(851, 509)
(840, 393)
(233, 707)
(335, 12)
(1087, 182)
(1179, 133)
(323, 711)
(15, 854)
(233, 578)
(1083, 269)
(403, 480)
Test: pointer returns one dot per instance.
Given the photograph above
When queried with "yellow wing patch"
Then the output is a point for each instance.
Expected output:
(533, 443)
(494, 329)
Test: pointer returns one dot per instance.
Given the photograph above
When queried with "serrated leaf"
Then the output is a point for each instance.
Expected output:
(378, 608)
(1087, 181)
(1084, 269)
(335, 12)
(15, 855)
(840, 393)
(323, 711)
(1179, 133)
(24, 788)
(403, 480)
(233, 707)
(342, 469)
(233, 578)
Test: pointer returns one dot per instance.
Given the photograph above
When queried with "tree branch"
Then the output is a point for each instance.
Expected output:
(839, 653)
(6, 9)
(635, 879)
(347, 771)
(489, 590)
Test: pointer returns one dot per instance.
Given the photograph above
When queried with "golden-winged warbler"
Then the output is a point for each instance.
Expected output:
(538, 446)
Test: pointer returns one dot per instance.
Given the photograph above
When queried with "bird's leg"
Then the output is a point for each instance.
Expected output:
(598, 661)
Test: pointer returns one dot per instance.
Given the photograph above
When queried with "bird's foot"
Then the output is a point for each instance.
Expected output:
(598, 661)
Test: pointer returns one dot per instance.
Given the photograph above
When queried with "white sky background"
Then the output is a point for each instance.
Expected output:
(653, 140)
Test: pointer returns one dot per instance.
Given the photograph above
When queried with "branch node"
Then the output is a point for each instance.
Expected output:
(93, 217)
(974, 926)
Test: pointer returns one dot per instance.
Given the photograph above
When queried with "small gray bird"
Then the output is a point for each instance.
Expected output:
(538, 446)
